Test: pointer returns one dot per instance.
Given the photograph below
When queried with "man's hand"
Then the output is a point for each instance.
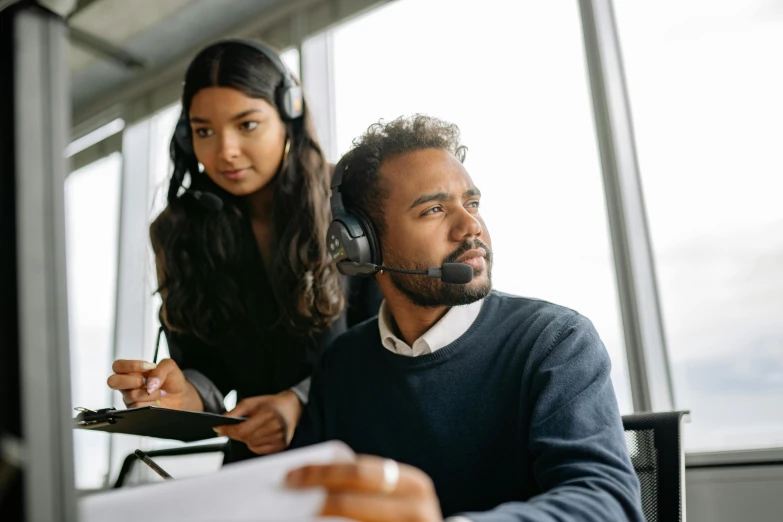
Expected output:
(271, 422)
(143, 383)
(366, 490)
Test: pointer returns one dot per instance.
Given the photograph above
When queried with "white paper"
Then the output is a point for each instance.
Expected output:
(242, 492)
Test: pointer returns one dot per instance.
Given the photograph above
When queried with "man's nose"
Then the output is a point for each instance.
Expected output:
(467, 226)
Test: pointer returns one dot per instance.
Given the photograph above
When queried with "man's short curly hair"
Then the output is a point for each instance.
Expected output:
(362, 186)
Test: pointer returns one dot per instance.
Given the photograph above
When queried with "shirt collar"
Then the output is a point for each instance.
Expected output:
(448, 329)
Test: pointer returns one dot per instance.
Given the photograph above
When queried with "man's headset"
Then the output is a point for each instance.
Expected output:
(351, 238)
(353, 244)
(290, 105)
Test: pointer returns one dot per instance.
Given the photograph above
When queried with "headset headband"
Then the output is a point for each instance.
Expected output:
(288, 95)
(267, 51)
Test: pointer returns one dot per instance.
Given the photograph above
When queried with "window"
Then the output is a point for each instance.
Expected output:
(163, 124)
(513, 77)
(92, 202)
(154, 135)
(290, 59)
(704, 86)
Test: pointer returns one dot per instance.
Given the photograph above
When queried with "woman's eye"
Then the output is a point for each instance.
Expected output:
(203, 133)
(433, 210)
(248, 125)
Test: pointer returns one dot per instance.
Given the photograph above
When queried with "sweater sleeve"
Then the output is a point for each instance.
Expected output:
(310, 429)
(576, 439)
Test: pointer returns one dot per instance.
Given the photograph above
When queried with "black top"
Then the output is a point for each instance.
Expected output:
(515, 420)
(264, 358)
(261, 357)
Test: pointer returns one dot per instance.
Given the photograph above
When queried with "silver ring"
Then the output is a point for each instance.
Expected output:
(391, 475)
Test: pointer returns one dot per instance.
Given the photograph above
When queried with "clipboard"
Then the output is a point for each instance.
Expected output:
(154, 421)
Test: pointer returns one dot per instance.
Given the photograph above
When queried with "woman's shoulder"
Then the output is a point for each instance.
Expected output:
(165, 224)
(363, 299)
(161, 232)
(161, 220)
(167, 215)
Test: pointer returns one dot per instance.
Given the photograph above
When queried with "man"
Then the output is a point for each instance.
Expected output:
(499, 408)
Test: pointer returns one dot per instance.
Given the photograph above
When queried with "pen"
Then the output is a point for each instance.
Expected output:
(151, 463)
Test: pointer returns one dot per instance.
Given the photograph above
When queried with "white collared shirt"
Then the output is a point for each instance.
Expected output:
(451, 327)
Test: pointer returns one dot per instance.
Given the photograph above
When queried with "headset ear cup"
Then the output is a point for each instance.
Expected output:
(176, 182)
(290, 101)
(289, 97)
(369, 233)
(182, 137)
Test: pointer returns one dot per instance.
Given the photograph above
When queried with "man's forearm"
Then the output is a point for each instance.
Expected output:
(585, 503)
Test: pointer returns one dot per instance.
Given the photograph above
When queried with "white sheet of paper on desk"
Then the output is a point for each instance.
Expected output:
(241, 492)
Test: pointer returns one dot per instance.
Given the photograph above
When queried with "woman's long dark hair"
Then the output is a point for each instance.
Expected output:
(200, 253)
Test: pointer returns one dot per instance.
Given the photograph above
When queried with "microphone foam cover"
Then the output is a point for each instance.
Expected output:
(457, 273)
(211, 201)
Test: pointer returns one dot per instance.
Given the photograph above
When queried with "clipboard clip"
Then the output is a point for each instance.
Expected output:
(88, 417)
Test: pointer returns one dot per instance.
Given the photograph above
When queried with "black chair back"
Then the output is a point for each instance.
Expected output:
(654, 443)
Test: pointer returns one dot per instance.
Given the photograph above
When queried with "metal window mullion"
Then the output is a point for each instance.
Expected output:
(648, 364)
(298, 32)
(318, 81)
(131, 297)
(116, 146)
(42, 122)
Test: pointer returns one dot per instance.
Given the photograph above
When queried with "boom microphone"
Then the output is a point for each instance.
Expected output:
(452, 273)
(209, 200)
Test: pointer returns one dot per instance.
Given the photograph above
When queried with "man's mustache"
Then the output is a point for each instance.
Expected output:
(464, 247)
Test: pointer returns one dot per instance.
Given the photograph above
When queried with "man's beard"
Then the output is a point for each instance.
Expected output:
(428, 292)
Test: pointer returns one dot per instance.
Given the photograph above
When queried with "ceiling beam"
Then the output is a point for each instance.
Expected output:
(81, 5)
(161, 84)
(105, 49)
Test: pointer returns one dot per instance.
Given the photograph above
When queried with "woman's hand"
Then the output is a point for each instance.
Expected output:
(271, 422)
(371, 489)
(143, 383)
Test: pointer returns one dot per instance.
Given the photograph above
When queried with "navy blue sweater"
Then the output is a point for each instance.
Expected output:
(514, 421)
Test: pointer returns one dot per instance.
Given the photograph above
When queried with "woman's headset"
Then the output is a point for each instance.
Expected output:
(290, 105)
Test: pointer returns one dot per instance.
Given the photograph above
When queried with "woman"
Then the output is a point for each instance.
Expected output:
(249, 296)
